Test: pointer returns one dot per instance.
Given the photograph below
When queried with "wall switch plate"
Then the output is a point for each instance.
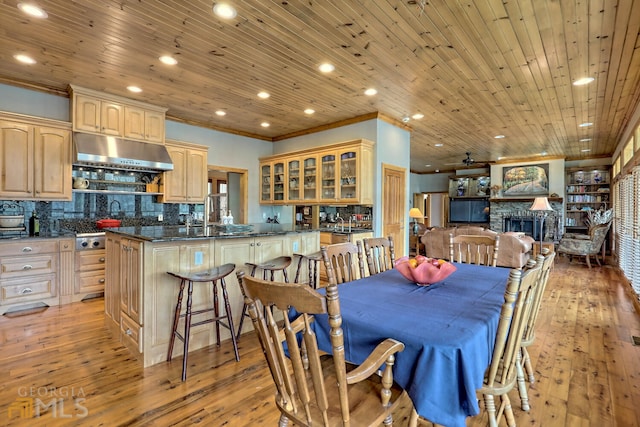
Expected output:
(198, 258)
(160, 217)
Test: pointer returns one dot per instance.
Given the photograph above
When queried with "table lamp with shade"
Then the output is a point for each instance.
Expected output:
(415, 214)
(541, 206)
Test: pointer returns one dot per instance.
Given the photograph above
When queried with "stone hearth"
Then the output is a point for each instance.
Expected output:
(514, 215)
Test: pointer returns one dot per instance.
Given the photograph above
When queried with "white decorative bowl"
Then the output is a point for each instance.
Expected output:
(11, 221)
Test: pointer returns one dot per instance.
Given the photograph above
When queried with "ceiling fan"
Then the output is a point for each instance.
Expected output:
(468, 161)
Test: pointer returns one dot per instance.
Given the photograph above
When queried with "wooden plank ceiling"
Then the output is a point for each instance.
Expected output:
(474, 69)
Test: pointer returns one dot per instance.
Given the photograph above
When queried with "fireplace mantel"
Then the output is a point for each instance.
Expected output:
(521, 199)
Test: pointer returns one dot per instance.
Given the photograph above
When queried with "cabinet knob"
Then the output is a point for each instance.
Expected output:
(101, 259)
(258, 244)
(101, 281)
(27, 267)
(26, 249)
(26, 291)
(128, 331)
(251, 244)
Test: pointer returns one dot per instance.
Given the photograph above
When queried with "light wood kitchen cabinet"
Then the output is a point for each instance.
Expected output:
(187, 182)
(89, 273)
(93, 115)
(143, 124)
(340, 173)
(29, 274)
(123, 290)
(98, 112)
(35, 160)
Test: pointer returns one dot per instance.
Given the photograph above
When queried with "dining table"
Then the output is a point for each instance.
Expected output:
(448, 329)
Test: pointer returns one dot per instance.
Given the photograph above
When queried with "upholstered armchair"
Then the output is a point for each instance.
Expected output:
(585, 244)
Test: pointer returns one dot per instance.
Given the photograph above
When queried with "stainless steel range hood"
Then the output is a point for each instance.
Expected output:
(109, 151)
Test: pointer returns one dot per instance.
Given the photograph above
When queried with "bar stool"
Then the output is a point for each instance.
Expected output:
(280, 263)
(214, 275)
(313, 264)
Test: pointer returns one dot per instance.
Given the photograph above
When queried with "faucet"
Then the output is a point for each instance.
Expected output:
(111, 207)
(335, 227)
(207, 212)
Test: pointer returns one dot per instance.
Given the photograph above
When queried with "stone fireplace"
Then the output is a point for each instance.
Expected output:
(514, 215)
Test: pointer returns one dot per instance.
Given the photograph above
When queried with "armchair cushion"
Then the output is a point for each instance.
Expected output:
(513, 251)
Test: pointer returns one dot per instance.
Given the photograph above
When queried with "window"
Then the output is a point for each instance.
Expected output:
(628, 151)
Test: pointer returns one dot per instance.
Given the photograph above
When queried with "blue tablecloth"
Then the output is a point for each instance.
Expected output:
(447, 328)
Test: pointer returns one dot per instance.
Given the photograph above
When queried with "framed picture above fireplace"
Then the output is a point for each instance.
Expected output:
(527, 180)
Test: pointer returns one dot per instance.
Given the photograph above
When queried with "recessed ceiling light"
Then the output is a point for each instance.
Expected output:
(586, 124)
(501, 157)
(263, 95)
(406, 119)
(24, 59)
(265, 124)
(309, 111)
(585, 140)
(417, 116)
(370, 92)
(544, 153)
(499, 136)
(583, 81)
(221, 113)
(32, 10)
(326, 67)
(169, 60)
(134, 89)
(427, 166)
(585, 150)
(437, 170)
(224, 10)
(438, 145)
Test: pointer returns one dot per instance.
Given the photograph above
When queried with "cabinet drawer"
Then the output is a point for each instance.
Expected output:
(29, 247)
(131, 333)
(89, 281)
(21, 266)
(90, 260)
(27, 289)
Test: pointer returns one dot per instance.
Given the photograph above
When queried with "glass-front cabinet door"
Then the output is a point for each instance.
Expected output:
(328, 177)
(265, 182)
(278, 182)
(294, 187)
(347, 184)
(310, 165)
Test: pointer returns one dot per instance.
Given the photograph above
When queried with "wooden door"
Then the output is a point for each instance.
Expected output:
(196, 175)
(394, 209)
(154, 126)
(16, 160)
(175, 187)
(111, 118)
(87, 112)
(134, 126)
(52, 164)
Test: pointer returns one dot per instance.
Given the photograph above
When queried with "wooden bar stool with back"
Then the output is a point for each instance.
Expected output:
(269, 269)
(214, 276)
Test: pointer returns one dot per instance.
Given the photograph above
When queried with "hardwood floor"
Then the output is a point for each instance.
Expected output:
(587, 370)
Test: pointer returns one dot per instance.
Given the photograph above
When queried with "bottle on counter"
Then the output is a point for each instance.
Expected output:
(230, 218)
(34, 224)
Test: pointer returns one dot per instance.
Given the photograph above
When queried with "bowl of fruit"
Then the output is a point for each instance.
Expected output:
(423, 270)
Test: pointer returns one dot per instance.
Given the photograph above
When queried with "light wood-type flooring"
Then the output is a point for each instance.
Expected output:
(588, 370)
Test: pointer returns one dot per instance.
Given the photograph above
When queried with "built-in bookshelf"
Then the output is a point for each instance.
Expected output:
(586, 190)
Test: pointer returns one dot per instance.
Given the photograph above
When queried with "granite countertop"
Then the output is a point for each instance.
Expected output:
(181, 232)
(8, 237)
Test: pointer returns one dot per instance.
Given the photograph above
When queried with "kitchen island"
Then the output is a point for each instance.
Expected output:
(140, 296)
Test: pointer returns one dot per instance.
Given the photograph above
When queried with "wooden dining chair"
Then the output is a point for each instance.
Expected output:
(314, 388)
(380, 254)
(545, 260)
(343, 262)
(501, 374)
(474, 249)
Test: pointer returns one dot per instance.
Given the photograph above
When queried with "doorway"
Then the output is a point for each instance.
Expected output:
(233, 182)
(394, 206)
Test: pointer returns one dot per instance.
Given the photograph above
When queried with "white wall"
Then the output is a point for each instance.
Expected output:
(33, 103)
